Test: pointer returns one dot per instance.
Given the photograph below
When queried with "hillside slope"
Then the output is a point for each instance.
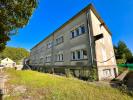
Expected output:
(40, 86)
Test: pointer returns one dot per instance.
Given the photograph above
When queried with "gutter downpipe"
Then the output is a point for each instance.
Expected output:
(90, 39)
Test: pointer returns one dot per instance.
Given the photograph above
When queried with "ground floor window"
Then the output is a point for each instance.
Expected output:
(48, 58)
(59, 57)
(107, 72)
(41, 60)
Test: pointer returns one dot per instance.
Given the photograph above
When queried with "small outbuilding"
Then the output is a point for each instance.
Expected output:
(7, 62)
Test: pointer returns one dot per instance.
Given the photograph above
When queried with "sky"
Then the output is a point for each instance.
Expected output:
(51, 14)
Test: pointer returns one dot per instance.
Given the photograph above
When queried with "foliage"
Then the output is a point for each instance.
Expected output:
(122, 52)
(14, 14)
(124, 89)
(93, 74)
(130, 60)
(121, 70)
(15, 54)
(42, 86)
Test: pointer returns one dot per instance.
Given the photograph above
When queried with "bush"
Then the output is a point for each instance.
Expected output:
(93, 75)
(124, 89)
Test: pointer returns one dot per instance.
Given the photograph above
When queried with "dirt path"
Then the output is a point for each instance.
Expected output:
(3, 79)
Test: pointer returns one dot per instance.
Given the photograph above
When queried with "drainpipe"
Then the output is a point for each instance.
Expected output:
(90, 38)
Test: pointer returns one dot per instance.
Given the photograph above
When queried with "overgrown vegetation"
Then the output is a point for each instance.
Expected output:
(15, 54)
(84, 73)
(40, 86)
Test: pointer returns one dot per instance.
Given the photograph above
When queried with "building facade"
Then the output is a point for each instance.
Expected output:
(7, 62)
(84, 40)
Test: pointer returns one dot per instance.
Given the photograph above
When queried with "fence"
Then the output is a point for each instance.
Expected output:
(128, 66)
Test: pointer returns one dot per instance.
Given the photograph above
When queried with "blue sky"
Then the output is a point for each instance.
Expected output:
(50, 14)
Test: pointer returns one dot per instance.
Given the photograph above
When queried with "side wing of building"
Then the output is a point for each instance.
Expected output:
(104, 52)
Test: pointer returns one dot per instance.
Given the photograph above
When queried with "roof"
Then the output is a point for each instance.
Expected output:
(8, 59)
(90, 6)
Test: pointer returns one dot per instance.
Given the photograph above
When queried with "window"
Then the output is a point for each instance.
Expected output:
(82, 29)
(79, 54)
(48, 58)
(49, 45)
(59, 57)
(107, 72)
(78, 31)
(73, 55)
(72, 34)
(84, 54)
(41, 60)
(59, 40)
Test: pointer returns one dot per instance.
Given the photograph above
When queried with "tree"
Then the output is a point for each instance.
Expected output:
(122, 52)
(15, 54)
(14, 14)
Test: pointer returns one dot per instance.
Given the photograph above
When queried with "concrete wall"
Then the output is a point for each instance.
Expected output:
(80, 42)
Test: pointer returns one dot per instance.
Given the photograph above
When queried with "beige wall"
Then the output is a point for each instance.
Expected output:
(103, 48)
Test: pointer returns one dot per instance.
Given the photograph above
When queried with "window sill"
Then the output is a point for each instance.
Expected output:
(47, 62)
(59, 61)
(59, 44)
(79, 59)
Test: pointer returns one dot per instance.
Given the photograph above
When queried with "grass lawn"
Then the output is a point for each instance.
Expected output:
(40, 86)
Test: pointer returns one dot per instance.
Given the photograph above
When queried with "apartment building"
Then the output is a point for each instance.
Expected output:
(84, 40)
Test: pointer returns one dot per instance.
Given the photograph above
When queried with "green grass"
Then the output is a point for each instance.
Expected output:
(42, 86)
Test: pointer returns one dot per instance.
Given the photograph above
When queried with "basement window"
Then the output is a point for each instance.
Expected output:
(107, 72)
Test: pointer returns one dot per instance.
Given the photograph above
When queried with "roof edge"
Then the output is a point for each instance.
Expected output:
(90, 6)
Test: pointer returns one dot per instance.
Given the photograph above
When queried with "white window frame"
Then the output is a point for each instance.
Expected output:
(75, 54)
(49, 44)
(48, 58)
(75, 32)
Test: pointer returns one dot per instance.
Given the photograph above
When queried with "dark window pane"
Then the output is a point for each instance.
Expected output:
(78, 52)
(62, 57)
(82, 29)
(84, 52)
(77, 31)
(73, 55)
(72, 33)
